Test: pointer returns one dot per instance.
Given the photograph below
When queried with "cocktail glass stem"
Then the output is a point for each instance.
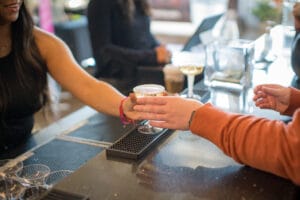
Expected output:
(191, 79)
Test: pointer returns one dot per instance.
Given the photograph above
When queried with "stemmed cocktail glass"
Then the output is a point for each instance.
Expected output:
(190, 64)
(191, 71)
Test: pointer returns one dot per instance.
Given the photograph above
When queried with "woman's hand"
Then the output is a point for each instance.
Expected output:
(172, 112)
(163, 55)
(272, 96)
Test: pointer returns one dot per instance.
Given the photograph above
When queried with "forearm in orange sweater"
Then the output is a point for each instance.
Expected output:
(268, 145)
(294, 102)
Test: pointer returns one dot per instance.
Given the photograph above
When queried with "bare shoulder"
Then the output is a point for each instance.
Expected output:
(46, 41)
(43, 37)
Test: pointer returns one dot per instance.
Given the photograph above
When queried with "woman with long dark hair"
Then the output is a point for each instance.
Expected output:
(27, 54)
(121, 38)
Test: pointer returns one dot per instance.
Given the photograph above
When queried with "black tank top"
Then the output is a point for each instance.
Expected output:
(17, 122)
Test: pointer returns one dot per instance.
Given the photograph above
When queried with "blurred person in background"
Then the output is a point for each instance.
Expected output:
(122, 40)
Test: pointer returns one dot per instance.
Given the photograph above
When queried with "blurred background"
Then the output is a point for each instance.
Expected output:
(173, 21)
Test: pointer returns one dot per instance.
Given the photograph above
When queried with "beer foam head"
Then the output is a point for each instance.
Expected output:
(172, 72)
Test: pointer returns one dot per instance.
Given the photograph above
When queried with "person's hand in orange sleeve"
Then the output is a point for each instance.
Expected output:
(272, 96)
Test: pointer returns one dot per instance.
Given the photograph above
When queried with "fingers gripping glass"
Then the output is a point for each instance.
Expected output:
(148, 90)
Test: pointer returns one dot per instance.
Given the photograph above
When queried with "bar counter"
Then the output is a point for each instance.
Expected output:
(182, 167)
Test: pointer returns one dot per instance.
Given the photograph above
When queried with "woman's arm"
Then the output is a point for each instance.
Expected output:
(64, 69)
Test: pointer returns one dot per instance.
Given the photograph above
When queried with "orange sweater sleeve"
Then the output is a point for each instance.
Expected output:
(268, 145)
(294, 102)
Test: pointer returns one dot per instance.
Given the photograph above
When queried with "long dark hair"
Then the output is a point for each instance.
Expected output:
(128, 7)
(26, 55)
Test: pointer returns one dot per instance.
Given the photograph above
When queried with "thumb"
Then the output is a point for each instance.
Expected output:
(132, 97)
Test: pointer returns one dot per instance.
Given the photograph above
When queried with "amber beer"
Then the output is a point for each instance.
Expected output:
(173, 86)
(174, 79)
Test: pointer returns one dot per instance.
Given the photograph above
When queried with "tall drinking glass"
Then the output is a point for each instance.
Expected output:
(148, 90)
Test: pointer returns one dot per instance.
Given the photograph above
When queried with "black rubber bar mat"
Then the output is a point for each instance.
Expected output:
(135, 145)
(60, 154)
(101, 128)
